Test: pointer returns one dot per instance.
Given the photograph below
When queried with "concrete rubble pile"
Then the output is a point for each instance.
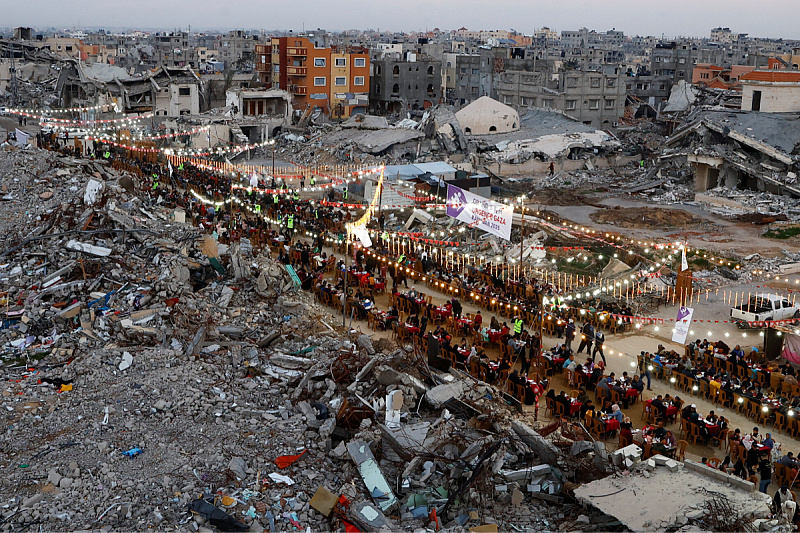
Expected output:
(743, 202)
(158, 379)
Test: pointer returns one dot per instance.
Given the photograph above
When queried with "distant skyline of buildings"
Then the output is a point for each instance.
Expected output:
(76, 30)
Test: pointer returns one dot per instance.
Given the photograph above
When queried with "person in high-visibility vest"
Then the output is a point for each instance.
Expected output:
(344, 194)
(275, 199)
(180, 167)
(518, 325)
(283, 186)
(316, 213)
(290, 222)
(401, 259)
(258, 208)
(296, 196)
(313, 180)
(107, 154)
(155, 181)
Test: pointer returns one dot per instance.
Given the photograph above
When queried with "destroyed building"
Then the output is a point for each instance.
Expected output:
(260, 113)
(165, 92)
(402, 85)
(740, 150)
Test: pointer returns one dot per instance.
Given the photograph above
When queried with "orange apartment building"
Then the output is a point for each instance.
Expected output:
(716, 77)
(334, 80)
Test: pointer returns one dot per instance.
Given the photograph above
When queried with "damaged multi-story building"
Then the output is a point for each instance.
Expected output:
(333, 79)
(405, 82)
(595, 97)
(165, 92)
(740, 150)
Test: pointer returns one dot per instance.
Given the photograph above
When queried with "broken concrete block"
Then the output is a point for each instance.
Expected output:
(409, 438)
(310, 414)
(651, 464)
(441, 394)
(660, 459)
(545, 449)
(580, 446)
(371, 474)
(629, 453)
(526, 473)
(516, 497)
(671, 465)
(71, 311)
(85, 247)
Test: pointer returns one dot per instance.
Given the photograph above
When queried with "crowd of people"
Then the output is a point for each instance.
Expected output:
(299, 230)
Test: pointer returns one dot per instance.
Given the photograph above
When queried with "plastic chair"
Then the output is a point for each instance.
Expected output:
(550, 405)
(694, 433)
(681, 451)
(714, 462)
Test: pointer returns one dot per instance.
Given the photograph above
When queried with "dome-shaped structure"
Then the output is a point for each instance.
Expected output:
(486, 115)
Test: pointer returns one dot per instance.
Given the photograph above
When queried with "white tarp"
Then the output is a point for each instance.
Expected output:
(480, 212)
(21, 136)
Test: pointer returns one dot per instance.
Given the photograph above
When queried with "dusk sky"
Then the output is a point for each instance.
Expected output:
(676, 18)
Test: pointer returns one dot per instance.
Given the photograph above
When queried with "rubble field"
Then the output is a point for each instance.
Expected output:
(647, 217)
(157, 379)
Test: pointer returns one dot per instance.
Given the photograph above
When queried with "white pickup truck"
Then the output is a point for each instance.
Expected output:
(762, 307)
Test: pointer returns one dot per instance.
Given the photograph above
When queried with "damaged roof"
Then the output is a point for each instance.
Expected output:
(779, 131)
(538, 123)
(407, 172)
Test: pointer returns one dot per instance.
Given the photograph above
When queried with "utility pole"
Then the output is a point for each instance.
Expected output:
(346, 266)
(521, 241)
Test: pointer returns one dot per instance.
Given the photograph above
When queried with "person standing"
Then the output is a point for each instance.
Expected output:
(569, 334)
(587, 338)
(599, 339)
(552, 168)
(765, 471)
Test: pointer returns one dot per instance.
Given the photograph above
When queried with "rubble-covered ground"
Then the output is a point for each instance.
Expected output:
(152, 378)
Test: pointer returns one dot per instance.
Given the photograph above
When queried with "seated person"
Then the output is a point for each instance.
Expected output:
(616, 414)
(625, 429)
(582, 396)
(587, 407)
(659, 447)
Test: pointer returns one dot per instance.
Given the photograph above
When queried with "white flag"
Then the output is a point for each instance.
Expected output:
(684, 262)
(169, 164)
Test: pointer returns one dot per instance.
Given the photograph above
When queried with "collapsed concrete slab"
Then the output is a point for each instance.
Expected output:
(663, 497)
(441, 394)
